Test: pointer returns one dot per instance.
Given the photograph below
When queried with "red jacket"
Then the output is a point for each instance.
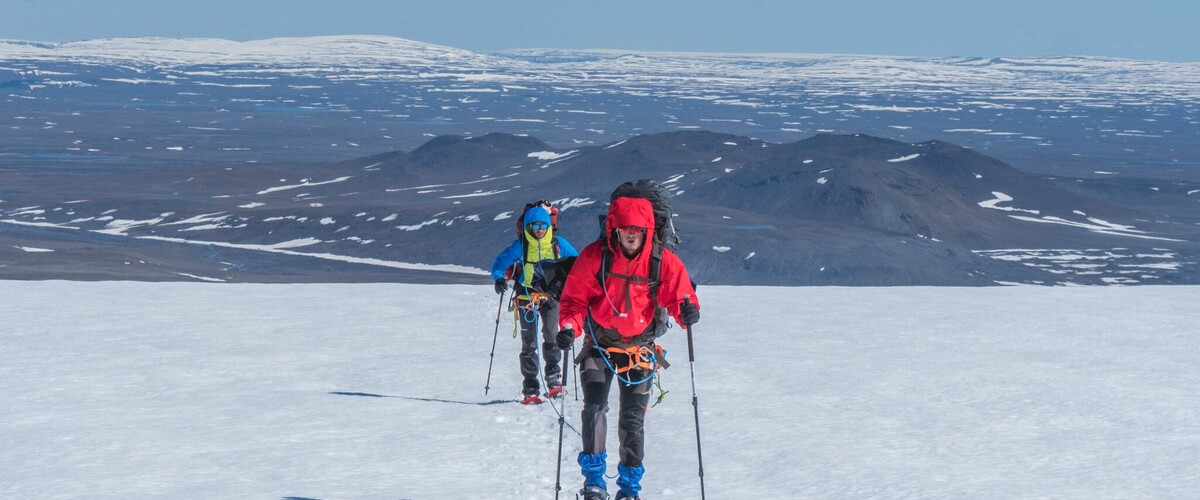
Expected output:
(622, 304)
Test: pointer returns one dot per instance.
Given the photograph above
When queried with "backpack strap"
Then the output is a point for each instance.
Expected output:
(656, 251)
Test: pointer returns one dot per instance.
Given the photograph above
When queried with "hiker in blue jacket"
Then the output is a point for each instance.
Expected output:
(536, 244)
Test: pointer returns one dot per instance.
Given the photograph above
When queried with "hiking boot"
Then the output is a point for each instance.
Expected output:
(556, 392)
(593, 492)
(531, 399)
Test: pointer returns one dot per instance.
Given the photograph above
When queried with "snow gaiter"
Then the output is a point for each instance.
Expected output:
(630, 480)
(592, 466)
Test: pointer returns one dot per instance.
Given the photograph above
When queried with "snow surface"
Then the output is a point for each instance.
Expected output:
(202, 390)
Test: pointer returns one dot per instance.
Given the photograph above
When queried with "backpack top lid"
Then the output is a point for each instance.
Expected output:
(660, 200)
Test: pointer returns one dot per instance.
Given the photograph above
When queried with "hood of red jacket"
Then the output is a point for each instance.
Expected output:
(629, 212)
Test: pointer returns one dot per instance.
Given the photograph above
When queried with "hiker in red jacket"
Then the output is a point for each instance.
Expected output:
(611, 300)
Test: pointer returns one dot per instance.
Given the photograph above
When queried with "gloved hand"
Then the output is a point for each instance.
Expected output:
(565, 337)
(501, 286)
(689, 313)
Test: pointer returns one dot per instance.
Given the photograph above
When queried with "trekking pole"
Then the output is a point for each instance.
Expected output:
(576, 378)
(492, 356)
(562, 421)
(695, 401)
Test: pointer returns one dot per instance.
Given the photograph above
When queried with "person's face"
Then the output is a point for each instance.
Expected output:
(632, 238)
(538, 229)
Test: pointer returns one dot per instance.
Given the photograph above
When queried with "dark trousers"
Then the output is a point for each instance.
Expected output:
(546, 316)
(597, 380)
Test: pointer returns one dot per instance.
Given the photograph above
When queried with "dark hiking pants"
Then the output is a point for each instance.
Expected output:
(546, 317)
(597, 380)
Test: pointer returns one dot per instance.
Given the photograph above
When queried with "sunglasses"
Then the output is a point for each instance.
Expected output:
(631, 230)
(537, 226)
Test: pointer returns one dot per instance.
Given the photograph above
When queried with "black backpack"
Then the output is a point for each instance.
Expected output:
(664, 237)
(549, 277)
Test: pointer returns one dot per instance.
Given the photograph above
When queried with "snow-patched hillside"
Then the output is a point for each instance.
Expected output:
(191, 390)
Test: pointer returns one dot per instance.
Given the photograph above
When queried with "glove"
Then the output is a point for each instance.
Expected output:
(565, 338)
(689, 313)
(501, 286)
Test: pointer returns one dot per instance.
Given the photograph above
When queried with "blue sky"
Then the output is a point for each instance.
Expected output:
(1147, 29)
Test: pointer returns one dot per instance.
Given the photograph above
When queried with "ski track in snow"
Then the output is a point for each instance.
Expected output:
(376, 391)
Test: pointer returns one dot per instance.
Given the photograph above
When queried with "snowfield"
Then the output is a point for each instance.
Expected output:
(197, 390)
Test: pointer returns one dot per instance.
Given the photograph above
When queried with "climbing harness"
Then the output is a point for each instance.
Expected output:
(644, 357)
(527, 312)
(638, 357)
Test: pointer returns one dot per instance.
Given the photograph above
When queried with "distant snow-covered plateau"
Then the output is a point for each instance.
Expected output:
(364, 158)
(373, 94)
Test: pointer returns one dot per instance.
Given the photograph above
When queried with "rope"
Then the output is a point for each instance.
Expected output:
(532, 307)
(532, 314)
(662, 393)
(537, 330)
